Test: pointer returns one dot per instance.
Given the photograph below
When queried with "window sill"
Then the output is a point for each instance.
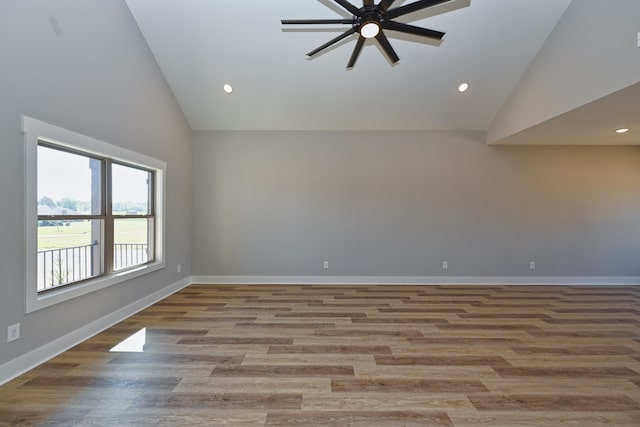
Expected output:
(38, 302)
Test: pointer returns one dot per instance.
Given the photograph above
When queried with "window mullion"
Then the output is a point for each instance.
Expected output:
(108, 222)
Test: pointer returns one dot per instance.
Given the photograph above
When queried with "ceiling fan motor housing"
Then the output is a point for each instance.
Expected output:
(369, 14)
(368, 22)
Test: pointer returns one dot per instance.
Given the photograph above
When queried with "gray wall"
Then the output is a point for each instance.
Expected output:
(591, 53)
(97, 77)
(399, 203)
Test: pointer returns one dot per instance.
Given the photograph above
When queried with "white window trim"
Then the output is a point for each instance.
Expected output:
(35, 130)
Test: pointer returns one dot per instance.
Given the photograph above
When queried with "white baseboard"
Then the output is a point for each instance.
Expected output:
(417, 280)
(30, 360)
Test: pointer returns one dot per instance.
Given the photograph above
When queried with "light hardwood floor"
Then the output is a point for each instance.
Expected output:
(352, 356)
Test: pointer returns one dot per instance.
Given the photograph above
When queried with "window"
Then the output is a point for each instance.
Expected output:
(132, 212)
(94, 214)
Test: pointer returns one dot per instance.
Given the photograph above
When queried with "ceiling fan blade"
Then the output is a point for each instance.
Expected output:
(413, 7)
(356, 52)
(333, 41)
(367, 2)
(386, 46)
(351, 8)
(385, 4)
(411, 29)
(315, 21)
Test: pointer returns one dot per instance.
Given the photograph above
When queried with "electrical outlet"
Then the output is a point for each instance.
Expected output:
(179, 268)
(445, 265)
(325, 264)
(532, 265)
(13, 332)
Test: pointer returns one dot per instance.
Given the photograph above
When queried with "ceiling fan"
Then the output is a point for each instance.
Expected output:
(369, 21)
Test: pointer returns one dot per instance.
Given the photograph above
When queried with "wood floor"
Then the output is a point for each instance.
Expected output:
(352, 356)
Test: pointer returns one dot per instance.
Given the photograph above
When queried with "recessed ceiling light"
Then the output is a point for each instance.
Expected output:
(463, 87)
(227, 88)
(622, 130)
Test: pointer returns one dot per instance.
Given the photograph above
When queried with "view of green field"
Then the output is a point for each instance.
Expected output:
(78, 233)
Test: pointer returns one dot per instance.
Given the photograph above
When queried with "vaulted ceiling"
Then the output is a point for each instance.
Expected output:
(200, 45)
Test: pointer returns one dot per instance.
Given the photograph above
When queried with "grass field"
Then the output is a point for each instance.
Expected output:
(79, 234)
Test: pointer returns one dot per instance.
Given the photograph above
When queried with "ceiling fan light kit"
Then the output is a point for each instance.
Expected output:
(369, 30)
(370, 21)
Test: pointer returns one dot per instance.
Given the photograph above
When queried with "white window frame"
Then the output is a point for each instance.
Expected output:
(35, 130)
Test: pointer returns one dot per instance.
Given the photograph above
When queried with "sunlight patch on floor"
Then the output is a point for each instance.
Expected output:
(133, 344)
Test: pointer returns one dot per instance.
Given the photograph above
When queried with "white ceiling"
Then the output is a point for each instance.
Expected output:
(202, 44)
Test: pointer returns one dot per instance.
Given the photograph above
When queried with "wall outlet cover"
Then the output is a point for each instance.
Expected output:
(13, 332)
